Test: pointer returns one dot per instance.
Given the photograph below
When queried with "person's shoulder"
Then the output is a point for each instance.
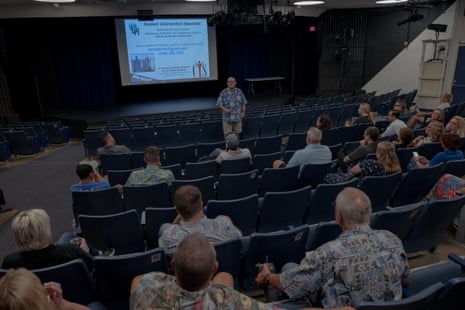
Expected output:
(11, 260)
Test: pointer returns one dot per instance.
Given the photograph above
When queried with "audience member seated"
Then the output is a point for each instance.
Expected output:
(110, 146)
(313, 153)
(33, 235)
(361, 264)
(90, 179)
(421, 121)
(404, 138)
(190, 218)
(456, 125)
(195, 284)
(386, 163)
(365, 116)
(323, 122)
(20, 289)
(232, 151)
(433, 133)
(401, 106)
(449, 186)
(420, 117)
(395, 126)
(152, 173)
(450, 144)
(367, 145)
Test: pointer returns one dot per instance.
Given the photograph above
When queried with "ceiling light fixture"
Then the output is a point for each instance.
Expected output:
(390, 1)
(56, 1)
(308, 2)
(200, 0)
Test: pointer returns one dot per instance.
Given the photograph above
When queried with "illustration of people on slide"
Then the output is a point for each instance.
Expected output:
(199, 69)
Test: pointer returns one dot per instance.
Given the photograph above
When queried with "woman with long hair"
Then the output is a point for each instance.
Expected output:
(365, 115)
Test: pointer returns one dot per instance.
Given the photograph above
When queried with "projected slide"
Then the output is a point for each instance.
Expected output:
(166, 50)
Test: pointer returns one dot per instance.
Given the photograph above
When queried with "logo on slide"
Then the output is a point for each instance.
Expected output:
(134, 29)
(199, 69)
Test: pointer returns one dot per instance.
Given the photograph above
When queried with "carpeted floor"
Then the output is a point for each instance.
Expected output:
(5, 216)
(41, 182)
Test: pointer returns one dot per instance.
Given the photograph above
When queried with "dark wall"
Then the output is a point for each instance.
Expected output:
(356, 44)
(72, 62)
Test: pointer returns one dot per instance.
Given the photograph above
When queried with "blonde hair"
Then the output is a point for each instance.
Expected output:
(460, 125)
(387, 156)
(20, 289)
(435, 131)
(32, 230)
(366, 108)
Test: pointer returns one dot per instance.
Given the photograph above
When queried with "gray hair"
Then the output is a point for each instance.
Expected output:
(31, 229)
(354, 206)
(314, 134)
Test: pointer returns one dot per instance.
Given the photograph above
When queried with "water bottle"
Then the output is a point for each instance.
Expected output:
(270, 292)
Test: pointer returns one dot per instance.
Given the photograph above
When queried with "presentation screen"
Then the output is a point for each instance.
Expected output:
(166, 50)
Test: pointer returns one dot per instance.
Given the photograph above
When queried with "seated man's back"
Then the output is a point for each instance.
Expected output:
(189, 205)
(152, 173)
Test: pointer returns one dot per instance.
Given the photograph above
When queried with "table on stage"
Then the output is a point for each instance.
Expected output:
(275, 79)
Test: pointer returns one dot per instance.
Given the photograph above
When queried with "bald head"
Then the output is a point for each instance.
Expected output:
(314, 135)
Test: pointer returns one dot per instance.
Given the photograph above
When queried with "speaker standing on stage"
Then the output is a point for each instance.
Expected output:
(232, 102)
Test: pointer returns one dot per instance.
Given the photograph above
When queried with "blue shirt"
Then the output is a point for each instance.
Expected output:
(231, 99)
(442, 157)
(311, 154)
(90, 186)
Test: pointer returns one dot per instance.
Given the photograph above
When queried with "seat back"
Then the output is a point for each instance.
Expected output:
(144, 196)
(91, 142)
(286, 123)
(322, 199)
(279, 179)
(296, 141)
(178, 155)
(380, 189)
(242, 211)
(190, 133)
(321, 233)
(262, 161)
(454, 167)
(251, 127)
(137, 159)
(283, 209)
(424, 276)
(430, 149)
(268, 144)
(206, 186)
(176, 169)
(415, 185)
(429, 228)
(234, 166)
(421, 300)
(276, 247)
(270, 125)
(98, 202)
(398, 220)
(123, 136)
(74, 278)
(233, 186)
(114, 274)
(154, 218)
(212, 132)
(204, 148)
(200, 169)
(314, 174)
(118, 176)
(451, 297)
(328, 136)
(115, 162)
(121, 231)
(404, 155)
(143, 137)
(229, 257)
